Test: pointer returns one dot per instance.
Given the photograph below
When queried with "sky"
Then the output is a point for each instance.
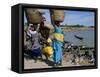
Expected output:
(72, 17)
(79, 17)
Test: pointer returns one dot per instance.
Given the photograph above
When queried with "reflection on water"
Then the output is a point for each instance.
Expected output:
(88, 36)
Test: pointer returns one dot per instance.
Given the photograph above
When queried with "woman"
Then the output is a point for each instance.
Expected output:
(36, 51)
(57, 45)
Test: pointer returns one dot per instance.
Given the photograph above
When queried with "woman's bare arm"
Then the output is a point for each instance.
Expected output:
(51, 16)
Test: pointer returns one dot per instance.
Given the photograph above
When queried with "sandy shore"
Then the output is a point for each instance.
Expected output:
(31, 64)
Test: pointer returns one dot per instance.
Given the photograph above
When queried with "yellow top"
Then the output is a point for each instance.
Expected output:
(48, 50)
(49, 40)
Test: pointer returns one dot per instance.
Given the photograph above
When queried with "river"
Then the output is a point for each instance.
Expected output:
(88, 35)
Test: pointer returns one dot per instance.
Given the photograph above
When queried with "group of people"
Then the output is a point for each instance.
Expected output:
(54, 43)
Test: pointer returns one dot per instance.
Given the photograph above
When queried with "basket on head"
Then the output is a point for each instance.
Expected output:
(58, 15)
(33, 16)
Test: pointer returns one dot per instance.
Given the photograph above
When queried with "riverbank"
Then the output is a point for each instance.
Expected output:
(30, 63)
(75, 29)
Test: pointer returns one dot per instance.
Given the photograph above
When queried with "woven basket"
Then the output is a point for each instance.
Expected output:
(58, 15)
(33, 16)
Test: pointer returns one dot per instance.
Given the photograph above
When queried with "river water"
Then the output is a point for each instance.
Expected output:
(88, 35)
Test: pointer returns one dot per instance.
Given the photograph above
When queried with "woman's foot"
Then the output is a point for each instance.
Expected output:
(55, 65)
(35, 61)
(60, 62)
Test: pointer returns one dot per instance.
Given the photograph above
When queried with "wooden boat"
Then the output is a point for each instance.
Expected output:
(78, 37)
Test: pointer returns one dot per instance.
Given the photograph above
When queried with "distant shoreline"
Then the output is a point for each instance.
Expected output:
(75, 29)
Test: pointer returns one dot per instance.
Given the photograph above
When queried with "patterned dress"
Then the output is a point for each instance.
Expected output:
(35, 45)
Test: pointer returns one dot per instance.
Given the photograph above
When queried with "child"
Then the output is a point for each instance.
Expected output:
(48, 50)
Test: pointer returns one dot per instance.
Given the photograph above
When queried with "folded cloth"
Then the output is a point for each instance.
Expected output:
(59, 36)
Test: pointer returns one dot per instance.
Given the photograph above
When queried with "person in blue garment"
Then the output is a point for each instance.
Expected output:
(57, 45)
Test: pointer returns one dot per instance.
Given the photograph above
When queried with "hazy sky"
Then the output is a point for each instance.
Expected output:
(72, 17)
(79, 17)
